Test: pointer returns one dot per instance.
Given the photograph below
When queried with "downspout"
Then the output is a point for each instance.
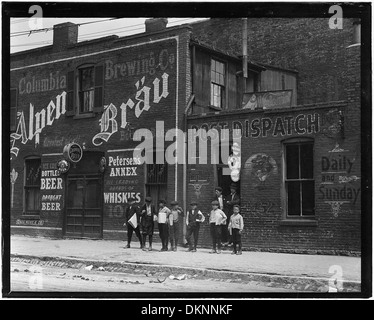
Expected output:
(245, 52)
(189, 104)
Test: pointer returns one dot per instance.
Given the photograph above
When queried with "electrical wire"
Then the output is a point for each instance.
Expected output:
(28, 32)
(86, 37)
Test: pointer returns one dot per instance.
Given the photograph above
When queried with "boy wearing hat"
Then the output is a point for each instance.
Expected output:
(162, 219)
(236, 226)
(132, 214)
(232, 199)
(193, 219)
(149, 215)
(216, 218)
(174, 225)
(220, 198)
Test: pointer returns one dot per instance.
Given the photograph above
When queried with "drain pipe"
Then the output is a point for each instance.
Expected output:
(189, 104)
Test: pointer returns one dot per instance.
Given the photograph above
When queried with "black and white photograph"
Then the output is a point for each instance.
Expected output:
(186, 150)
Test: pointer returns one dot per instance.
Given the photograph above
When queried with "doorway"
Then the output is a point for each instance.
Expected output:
(83, 207)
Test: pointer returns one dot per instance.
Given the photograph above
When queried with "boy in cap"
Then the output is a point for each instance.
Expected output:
(163, 217)
(220, 198)
(232, 199)
(216, 218)
(174, 225)
(132, 215)
(193, 219)
(149, 215)
(236, 226)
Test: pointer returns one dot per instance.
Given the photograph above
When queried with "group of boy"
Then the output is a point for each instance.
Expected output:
(226, 209)
(142, 220)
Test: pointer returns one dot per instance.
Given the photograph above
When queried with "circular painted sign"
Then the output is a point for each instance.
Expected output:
(73, 152)
(63, 166)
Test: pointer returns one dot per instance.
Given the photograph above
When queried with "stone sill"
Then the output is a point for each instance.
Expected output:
(299, 222)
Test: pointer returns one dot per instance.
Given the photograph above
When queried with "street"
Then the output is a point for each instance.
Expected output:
(34, 278)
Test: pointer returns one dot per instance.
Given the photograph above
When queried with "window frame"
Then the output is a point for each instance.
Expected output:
(74, 91)
(15, 102)
(309, 218)
(158, 185)
(26, 211)
(213, 84)
(80, 99)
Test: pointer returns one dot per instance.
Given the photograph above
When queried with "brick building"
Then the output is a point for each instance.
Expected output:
(76, 108)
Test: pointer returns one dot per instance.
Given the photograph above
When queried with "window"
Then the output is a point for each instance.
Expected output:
(156, 183)
(299, 178)
(32, 186)
(217, 85)
(13, 109)
(85, 90)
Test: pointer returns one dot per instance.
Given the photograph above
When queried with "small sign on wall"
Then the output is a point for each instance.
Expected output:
(73, 152)
(267, 100)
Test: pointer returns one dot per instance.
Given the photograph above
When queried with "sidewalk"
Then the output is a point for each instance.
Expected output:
(312, 271)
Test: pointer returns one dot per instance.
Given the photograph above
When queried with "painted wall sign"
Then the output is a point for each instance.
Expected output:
(263, 127)
(122, 178)
(267, 100)
(34, 84)
(147, 64)
(51, 187)
(108, 121)
(29, 222)
(337, 187)
(36, 122)
(260, 166)
(73, 152)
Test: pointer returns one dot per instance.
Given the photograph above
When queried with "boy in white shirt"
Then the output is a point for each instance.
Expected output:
(216, 218)
(236, 227)
(163, 217)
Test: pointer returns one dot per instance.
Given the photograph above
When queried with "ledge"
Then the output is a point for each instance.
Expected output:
(299, 222)
(84, 116)
(29, 217)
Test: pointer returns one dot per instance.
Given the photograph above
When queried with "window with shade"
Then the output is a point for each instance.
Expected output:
(85, 91)
(299, 178)
(32, 186)
(217, 85)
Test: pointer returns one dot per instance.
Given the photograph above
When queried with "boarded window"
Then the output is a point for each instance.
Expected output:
(32, 186)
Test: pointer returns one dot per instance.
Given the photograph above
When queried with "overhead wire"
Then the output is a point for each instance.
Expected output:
(86, 37)
(27, 32)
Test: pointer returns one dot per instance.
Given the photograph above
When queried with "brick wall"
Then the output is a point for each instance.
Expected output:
(335, 229)
(303, 44)
(118, 89)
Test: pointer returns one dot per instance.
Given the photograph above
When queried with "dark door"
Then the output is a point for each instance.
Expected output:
(84, 207)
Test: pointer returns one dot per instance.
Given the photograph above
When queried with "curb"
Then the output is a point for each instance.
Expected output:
(296, 283)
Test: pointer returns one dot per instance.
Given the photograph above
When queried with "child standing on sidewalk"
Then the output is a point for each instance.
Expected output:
(216, 218)
(149, 216)
(236, 226)
(193, 219)
(163, 217)
(174, 224)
